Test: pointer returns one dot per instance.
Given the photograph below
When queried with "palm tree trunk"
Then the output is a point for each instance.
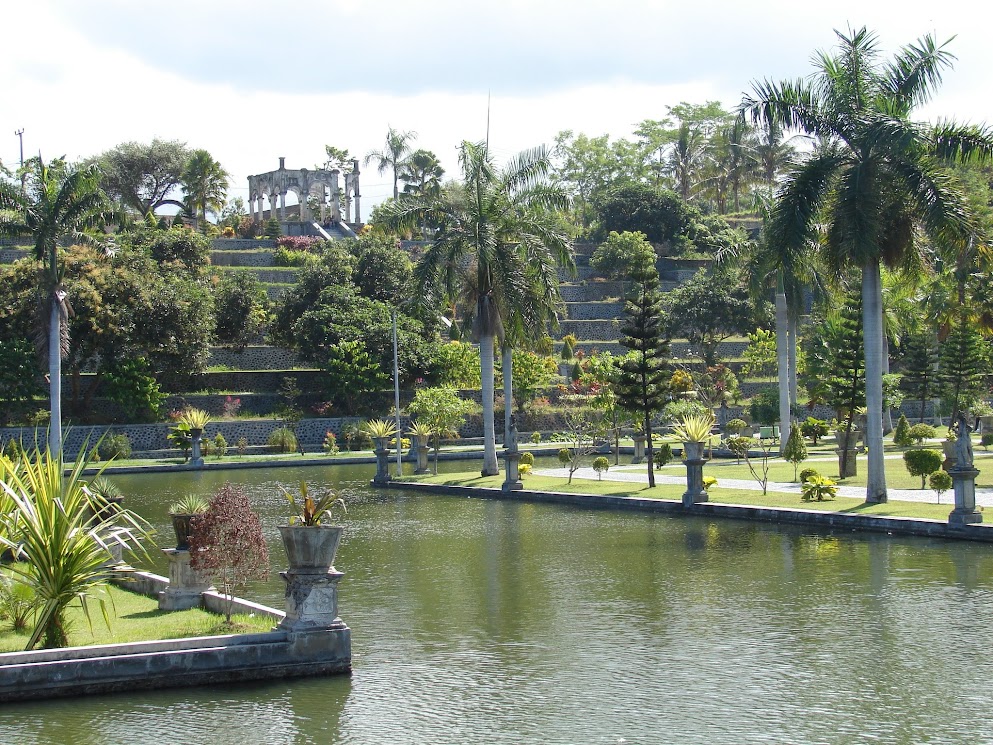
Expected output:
(794, 342)
(490, 465)
(887, 411)
(872, 324)
(782, 364)
(55, 380)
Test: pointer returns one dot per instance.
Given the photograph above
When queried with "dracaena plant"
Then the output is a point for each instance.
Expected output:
(311, 511)
(380, 428)
(195, 418)
(694, 428)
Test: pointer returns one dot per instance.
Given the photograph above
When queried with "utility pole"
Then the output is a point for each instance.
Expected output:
(20, 136)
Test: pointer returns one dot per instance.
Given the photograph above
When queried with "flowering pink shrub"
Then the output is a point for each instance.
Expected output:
(297, 242)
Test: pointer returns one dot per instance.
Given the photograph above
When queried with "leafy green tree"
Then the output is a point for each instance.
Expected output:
(586, 167)
(421, 173)
(621, 254)
(442, 410)
(131, 383)
(141, 176)
(241, 308)
(382, 272)
(352, 375)
(205, 183)
(495, 253)
(531, 374)
(19, 378)
(456, 364)
(58, 204)
(705, 311)
(814, 428)
(922, 462)
(760, 354)
(660, 215)
(878, 176)
(642, 383)
(393, 156)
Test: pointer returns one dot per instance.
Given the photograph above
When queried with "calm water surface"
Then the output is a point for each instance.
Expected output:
(485, 622)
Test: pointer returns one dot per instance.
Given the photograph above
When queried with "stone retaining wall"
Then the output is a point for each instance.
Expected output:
(254, 358)
(271, 274)
(241, 244)
(594, 311)
(241, 258)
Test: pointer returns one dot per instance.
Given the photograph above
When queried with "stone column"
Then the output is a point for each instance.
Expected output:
(282, 206)
(511, 458)
(185, 583)
(382, 461)
(639, 449)
(335, 196)
(694, 460)
(355, 189)
(421, 448)
(196, 459)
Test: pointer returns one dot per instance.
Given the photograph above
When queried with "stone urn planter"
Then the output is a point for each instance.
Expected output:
(951, 457)
(639, 448)
(310, 549)
(694, 458)
(182, 513)
(847, 441)
(311, 593)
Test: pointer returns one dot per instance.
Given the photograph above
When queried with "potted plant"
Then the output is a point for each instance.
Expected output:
(311, 542)
(421, 434)
(182, 513)
(694, 432)
(196, 420)
(381, 430)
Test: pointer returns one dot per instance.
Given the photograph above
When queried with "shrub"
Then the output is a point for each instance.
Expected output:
(527, 459)
(536, 437)
(940, 481)
(921, 432)
(230, 407)
(709, 481)
(796, 450)
(901, 435)
(220, 445)
(272, 228)
(807, 473)
(242, 445)
(330, 445)
(662, 455)
(986, 440)
(565, 456)
(227, 543)
(922, 462)
(525, 469)
(282, 440)
(818, 488)
(738, 445)
(764, 406)
(814, 428)
(735, 426)
(18, 602)
(115, 446)
(600, 464)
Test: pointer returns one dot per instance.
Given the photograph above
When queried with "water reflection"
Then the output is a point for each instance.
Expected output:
(479, 621)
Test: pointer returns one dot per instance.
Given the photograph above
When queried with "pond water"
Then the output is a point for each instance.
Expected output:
(477, 621)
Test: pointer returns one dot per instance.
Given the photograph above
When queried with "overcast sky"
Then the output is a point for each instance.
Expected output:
(252, 81)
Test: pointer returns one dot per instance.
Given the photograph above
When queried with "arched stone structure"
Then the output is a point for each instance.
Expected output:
(324, 185)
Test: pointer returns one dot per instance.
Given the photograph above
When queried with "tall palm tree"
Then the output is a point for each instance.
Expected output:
(879, 176)
(59, 203)
(496, 252)
(206, 184)
(687, 158)
(393, 156)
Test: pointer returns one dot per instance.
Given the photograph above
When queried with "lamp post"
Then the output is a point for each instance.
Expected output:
(396, 394)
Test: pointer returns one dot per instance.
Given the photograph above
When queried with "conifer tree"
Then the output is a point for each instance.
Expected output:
(920, 361)
(796, 449)
(961, 364)
(643, 380)
(901, 435)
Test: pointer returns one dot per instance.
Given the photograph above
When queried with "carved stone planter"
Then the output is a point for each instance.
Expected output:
(421, 449)
(196, 459)
(639, 449)
(181, 527)
(311, 593)
(382, 461)
(693, 459)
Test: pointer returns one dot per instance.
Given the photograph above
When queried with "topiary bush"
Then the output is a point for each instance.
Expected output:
(565, 456)
(600, 464)
(901, 434)
(921, 432)
(735, 426)
(662, 455)
(986, 440)
(527, 459)
(922, 462)
(940, 481)
(115, 446)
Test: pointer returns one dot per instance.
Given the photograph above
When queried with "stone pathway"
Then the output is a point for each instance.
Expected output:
(638, 475)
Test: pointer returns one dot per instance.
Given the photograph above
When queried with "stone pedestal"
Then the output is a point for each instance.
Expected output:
(382, 462)
(850, 464)
(694, 461)
(196, 459)
(185, 583)
(311, 601)
(639, 449)
(511, 459)
(421, 449)
(964, 484)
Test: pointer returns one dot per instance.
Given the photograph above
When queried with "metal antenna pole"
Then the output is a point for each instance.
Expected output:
(396, 394)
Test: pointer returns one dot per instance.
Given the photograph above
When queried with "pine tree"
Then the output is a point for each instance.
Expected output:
(642, 386)
(796, 449)
(961, 364)
(920, 360)
(901, 435)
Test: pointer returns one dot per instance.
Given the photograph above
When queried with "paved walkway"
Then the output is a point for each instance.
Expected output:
(638, 475)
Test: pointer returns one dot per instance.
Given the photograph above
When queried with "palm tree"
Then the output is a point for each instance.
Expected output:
(393, 156)
(496, 252)
(878, 177)
(59, 203)
(686, 158)
(421, 173)
(205, 183)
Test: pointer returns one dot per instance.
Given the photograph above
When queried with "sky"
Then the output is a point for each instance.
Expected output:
(252, 81)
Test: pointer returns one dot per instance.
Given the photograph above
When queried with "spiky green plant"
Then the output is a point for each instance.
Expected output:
(195, 418)
(62, 533)
(380, 428)
(694, 428)
(191, 504)
(310, 511)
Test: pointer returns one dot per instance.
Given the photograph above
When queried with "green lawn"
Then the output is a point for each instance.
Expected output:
(136, 618)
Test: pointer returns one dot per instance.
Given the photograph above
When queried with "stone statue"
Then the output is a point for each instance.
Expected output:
(963, 446)
(512, 435)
